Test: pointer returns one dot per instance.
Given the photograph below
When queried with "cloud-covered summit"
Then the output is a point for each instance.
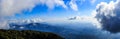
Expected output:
(108, 14)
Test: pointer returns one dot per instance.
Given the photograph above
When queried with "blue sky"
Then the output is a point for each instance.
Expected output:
(79, 14)
(85, 8)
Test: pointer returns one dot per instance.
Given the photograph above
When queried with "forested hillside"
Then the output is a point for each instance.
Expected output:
(27, 34)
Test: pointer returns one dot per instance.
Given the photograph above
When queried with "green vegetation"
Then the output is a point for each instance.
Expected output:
(27, 34)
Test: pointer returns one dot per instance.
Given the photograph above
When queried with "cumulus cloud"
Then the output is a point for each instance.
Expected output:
(108, 14)
(52, 3)
(73, 5)
(12, 7)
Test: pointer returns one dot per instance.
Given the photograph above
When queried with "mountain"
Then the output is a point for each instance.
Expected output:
(61, 31)
(27, 34)
(36, 26)
(68, 31)
(75, 18)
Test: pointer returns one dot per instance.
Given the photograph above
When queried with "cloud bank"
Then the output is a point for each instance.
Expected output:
(9, 8)
(108, 14)
(53, 3)
(72, 29)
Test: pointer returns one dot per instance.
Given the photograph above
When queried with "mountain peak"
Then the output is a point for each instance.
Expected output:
(75, 18)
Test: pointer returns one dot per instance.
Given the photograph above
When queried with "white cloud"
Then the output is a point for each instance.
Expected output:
(88, 19)
(108, 15)
(73, 5)
(4, 24)
(76, 20)
(92, 1)
(21, 27)
(12, 7)
(93, 13)
(52, 3)
(106, 9)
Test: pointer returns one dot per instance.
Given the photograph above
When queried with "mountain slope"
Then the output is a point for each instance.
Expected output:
(27, 34)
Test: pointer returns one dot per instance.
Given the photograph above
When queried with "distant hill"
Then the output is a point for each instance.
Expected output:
(38, 27)
(27, 34)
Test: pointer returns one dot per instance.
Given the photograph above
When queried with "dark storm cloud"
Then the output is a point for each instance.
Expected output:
(108, 14)
(83, 30)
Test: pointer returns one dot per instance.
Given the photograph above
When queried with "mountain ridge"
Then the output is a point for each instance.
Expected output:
(27, 34)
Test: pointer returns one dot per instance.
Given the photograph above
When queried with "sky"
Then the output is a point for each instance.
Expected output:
(53, 9)
(59, 10)
(98, 17)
